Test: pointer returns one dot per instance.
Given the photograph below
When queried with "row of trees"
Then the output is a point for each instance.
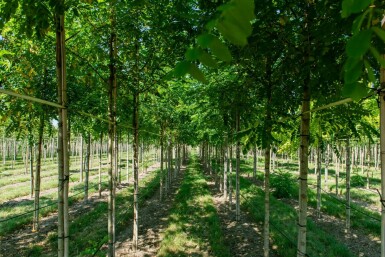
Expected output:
(116, 72)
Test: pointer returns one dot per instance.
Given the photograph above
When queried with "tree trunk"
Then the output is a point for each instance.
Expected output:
(347, 228)
(128, 159)
(63, 170)
(255, 162)
(32, 182)
(112, 95)
(382, 156)
(169, 158)
(225, 169)
(87, 167)
(136, 170)
(100, 165)
(81, 159)
(35, 226)
(266, 225)
(304, 149)
(318, 171)
(368, 167)
(161, 167)
(337, 174)
(327, 166)
(117, 159)
(25, 154)
(238, 160)
(230, 179)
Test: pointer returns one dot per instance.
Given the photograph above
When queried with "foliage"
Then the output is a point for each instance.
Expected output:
(364, 47)
(283, 185)
(357, 181)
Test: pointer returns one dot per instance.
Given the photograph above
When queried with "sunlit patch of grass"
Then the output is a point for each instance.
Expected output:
(283, 226)
(85, 240)
(194, 227)
(76, 194)
(335, 206)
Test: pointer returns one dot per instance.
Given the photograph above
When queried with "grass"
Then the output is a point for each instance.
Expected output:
(283, 228)
(335, 206)
(27, 207)
(89, 230)
(193, 225)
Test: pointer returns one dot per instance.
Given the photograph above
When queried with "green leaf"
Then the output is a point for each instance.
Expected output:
(5, 52)
(356, 91)
(370, 71)
(220, 50)
(197, 74)
(234, 32)
(354, 6)
(380, 33)
(205, 40)
(234, 23)
(359, 44)
(354, 73)
(377, 55)
(357, 23)
(193, 53)
(207, 60)
(351, 63)
(182, 68)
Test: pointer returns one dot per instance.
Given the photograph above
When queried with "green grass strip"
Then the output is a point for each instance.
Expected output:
(89, 231)
(283, 229)
(361, 217)
(194, 225)
(26, 207)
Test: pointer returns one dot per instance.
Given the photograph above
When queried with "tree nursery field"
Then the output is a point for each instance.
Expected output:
(192, 128)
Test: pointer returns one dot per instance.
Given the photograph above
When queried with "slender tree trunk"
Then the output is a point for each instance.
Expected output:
(117, 159)
(166, 176)
(63, 173)
(225, 169)
(266, 225)
(32, 182)
(4, 151)
(238, 160)
(368, 167)
(112, 96)
(24, 153)
(304, 149)
(362, 159)
(161, 167)
(136, 170)
(230, 175)
(347, 186)
(87, 167)
(128, 159)
(327, 165)
(169, 158)
(338, 169)
(36, 226)
(382, 156)
(255, 162)
(319, 186)
(268, 154)
(100, 165)
(81, 159)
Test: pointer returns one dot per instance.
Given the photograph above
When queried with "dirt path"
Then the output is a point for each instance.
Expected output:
(244, 238)
(18, 242)
(153, 220)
